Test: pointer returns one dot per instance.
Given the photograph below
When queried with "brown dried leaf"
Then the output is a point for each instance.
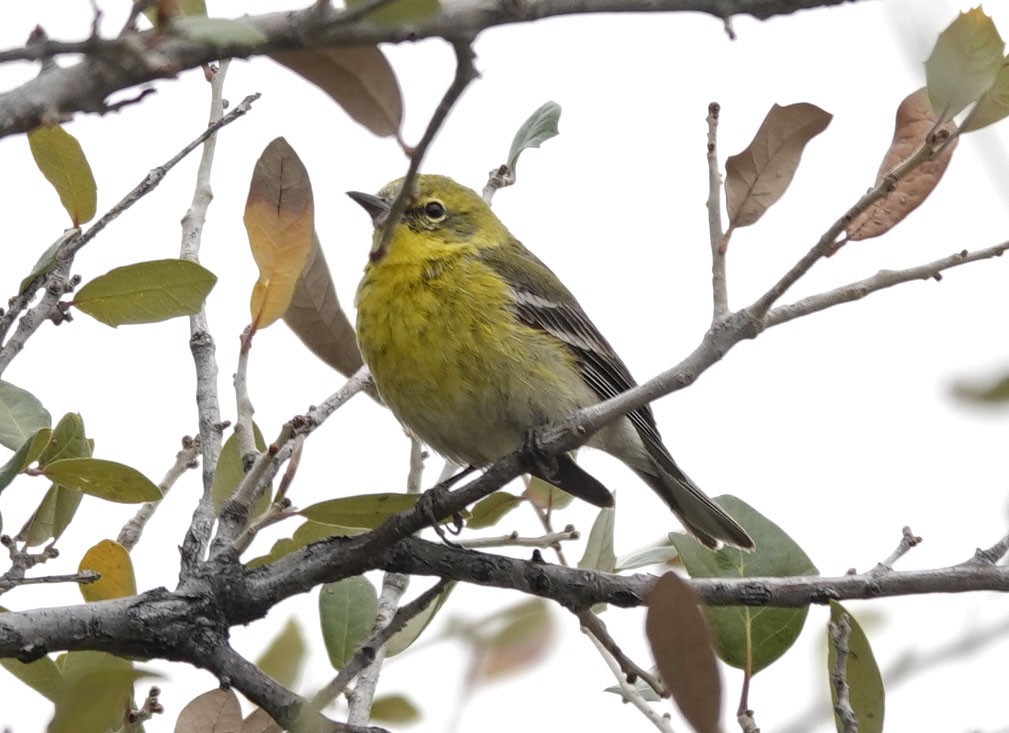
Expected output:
(317, 319)
(358, 78)
(758, 176)
(915, 119)
(682, 648)
(217, 711)
(280, 221)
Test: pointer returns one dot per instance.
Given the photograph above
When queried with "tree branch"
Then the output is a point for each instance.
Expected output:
(114, 64)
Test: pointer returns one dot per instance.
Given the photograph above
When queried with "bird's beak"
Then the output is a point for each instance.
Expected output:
(376, 207)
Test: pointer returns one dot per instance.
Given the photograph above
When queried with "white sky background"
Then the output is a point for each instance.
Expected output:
(838, 427)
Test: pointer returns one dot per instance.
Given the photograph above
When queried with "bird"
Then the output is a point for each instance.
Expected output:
(473, 342)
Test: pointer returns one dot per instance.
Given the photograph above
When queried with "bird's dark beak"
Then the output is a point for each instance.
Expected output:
(377, 208)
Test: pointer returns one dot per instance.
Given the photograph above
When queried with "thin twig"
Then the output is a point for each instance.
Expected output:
(716, 235)
(513, 540)
(57, 284)
(185, 459)
(630, 693)
(465, 72)
(594, 626)
(201, 341)
(840, 632)
(907, 540)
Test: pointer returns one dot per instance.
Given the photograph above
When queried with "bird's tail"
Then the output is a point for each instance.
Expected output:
(707, 521)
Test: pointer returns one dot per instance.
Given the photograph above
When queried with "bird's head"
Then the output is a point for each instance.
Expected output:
(438, 209)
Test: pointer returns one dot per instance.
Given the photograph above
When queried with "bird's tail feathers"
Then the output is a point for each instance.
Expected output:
(707, 521)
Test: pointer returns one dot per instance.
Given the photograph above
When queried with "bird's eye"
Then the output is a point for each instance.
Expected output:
(435, 210)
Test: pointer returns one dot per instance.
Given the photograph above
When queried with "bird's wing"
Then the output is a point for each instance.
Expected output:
(542, 302)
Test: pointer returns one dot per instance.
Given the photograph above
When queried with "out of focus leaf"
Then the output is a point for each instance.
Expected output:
(749, 637)
(219, 32)
(915, 119)
(162, 11)
(61, 159)
(48, 258)
(988, 392)
(657, 555)
(682, 648)
(280, 222)
(757, 177)
(230, 472)
(400, 12)
(522, 637)
(358, 78)
(112, 561)
(488, 511)
(540, 127)
(27, 454)
(21, 415)
(397, 709)
(304, 535)
(964, 63)
(546, 496)
(865, 683)
(42, 675)
(316, 317)
(146, 292)
(367, 511)
(259, 721)
(216, 711)
(105, 479)
(993, 105)
(599, 553)
(347, 611)
(402, 639)
(284, 658)
(97, 690)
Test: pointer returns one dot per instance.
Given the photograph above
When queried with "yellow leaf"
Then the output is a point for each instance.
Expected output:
(112, 561)
(280, 221)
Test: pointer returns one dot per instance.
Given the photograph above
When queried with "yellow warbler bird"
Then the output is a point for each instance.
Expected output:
(472, 342)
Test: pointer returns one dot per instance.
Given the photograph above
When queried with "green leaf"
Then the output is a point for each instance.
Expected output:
(993, 392)
(42, 675)
(68, 440)
(48, 258)
(993, 105)
(599, 553)
(284, 658)
(230, 472)
(61, 159)
(397, 709)
(105, 479)
(305, 535)
(146, 292)
(411, 631)
(21, 415)
(744, 636)
(865, 683)
(218, 32)
(400, 12)
(52, 516)
(540, 127)
(25, 456)
(366, 511)
(97, 688)
(488, 511)
(657, 555)
(964, 63)
(347, 611)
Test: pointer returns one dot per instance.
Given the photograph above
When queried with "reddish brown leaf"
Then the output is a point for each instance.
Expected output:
(915, 118)
(217, 711)
(358, 78)
(317, 319)
(682, 648)
(280, 221)
(758, 176)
